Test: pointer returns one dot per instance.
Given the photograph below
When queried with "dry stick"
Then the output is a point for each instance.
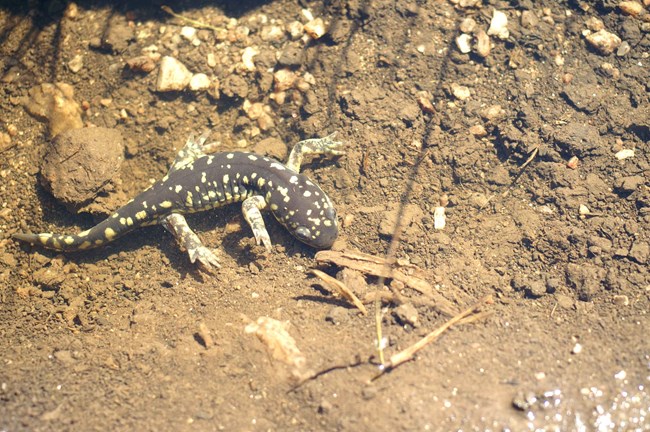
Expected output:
(340, 288)
(408, 353)
(392, 250)
(195, 23)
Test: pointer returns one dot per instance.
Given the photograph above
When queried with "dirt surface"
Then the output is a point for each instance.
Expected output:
(538, 149)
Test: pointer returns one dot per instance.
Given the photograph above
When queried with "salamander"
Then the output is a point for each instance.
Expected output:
(198, 181)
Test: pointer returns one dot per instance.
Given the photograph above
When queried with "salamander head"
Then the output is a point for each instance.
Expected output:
(306, 212)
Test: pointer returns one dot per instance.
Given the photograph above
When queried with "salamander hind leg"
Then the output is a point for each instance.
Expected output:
(251, 208)
(325, 145)
(177, 225)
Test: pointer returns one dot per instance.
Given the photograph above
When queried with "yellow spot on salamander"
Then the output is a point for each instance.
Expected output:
(141, 215)
(274, 207)
(306, 194)
(109, 233)
(123, 221)
(129, 221)
(68, 240)
(165, 204)
(245, 180)
(188, 200)
(85, 245)
(83, 233)
(252, 157)
(230, 155)
(178, 188)
(260, 182)
(226, 179)
(99, 242)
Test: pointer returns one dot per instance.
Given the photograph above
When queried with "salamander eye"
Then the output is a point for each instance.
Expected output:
(302, 233)
(330, 213)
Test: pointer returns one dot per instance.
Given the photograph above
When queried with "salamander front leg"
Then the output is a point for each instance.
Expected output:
(194, 148)
(251, 208)
(325, 145)
(177, 225)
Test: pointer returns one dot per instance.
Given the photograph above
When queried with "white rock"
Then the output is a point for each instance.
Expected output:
(247, 58)
(460, 92)
(295, 29)
(499, 25)
(439, 218)
(76, 63)
(199, 81)
(172, 75)
(306, 13)
(188, 33)
(624, 154)
(463, 43)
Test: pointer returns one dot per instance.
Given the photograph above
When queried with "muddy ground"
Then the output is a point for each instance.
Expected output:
(537, 149)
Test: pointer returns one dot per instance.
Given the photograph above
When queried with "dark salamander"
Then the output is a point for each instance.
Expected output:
(198, 182)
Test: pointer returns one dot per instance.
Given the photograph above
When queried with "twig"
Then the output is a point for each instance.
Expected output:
(195, 23)
(408, 353)
(340, 288)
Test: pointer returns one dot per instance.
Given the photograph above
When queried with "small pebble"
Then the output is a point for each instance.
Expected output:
(424, 100)
(493, 112)
(407, 315)
(595, 24)
(577, 349)
(188, 33)
(283, 79)
(467, 25)
(603, 41)
(460, 92)
(499, 25)
(439, 218)
(623, 49)
(173, 75)
(463, 43)
(478, 131)
(482, 43)
(624, 154)
(621, 300)
(76, 63)
(631, 8)
(211, 59)
(199, 81)
(296, 30)
(247, 58)
(315, 28)
(142, 63)
(573, 162)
